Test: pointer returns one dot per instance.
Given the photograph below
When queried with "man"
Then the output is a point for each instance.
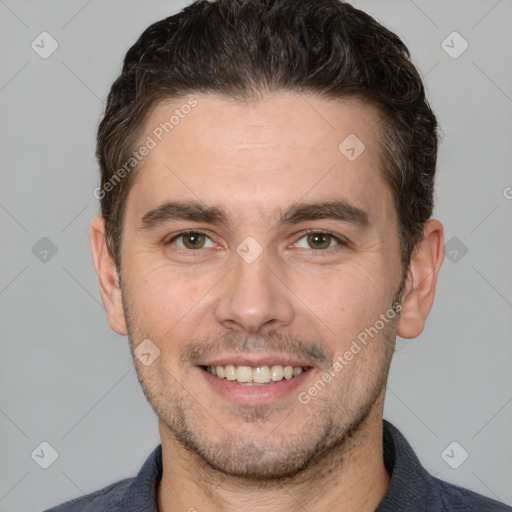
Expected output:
(266, 232)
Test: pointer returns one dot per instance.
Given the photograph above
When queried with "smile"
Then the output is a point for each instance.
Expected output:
(254, 376)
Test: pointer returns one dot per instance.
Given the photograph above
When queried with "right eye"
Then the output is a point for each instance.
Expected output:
(191, 240)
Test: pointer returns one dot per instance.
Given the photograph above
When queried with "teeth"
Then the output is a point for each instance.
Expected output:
(258, 375)
(277, 373)
(229, 372)
(297, 371)
(244, 374)
(261, 374)
(288, 372)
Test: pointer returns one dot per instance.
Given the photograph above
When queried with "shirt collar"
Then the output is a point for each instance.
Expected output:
(408, 477)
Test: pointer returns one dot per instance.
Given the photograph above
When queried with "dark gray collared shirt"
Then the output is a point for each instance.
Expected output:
(411, 488)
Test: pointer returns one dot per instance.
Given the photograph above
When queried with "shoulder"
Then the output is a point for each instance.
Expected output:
(455, 498)
(104, 499)
(412, 487)
(135, 494)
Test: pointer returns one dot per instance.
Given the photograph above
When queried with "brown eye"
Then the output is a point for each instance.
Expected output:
(193, 240)
(319, 240)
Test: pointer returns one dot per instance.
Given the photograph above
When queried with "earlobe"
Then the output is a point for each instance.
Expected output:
(108, 278)
(421, 281)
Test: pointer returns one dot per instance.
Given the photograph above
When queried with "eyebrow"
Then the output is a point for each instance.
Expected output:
(339, 209)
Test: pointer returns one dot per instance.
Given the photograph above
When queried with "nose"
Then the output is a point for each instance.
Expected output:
(253, 297)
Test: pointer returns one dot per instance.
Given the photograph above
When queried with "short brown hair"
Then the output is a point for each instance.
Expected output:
(240, 48)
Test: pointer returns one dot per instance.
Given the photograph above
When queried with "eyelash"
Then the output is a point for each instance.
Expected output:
(340, 241)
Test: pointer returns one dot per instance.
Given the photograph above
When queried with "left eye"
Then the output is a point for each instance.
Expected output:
(318, 240)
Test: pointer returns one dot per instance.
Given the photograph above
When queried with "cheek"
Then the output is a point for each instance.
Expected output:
(347, 300)
(164, 300)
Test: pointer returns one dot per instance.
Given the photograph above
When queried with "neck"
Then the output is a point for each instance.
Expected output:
(352, 477)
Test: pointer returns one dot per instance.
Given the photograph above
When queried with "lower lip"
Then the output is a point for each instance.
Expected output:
(253, 395)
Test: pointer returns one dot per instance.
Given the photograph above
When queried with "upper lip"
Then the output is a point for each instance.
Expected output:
(254, 360)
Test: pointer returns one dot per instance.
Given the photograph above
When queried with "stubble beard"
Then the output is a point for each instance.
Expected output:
(329, 420)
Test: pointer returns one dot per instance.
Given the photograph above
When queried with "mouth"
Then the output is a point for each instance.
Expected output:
(256, 376)
(255, 385)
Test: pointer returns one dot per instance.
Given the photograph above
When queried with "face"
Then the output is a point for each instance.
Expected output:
(251, 240)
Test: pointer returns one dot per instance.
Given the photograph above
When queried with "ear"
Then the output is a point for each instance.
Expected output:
(107, 276)
(421, 281)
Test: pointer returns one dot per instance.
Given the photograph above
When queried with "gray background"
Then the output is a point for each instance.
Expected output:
(67, 379)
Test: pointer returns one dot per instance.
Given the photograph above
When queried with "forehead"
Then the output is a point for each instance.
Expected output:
(260, 156)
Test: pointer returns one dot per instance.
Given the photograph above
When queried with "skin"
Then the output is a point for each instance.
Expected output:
(254, 160)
